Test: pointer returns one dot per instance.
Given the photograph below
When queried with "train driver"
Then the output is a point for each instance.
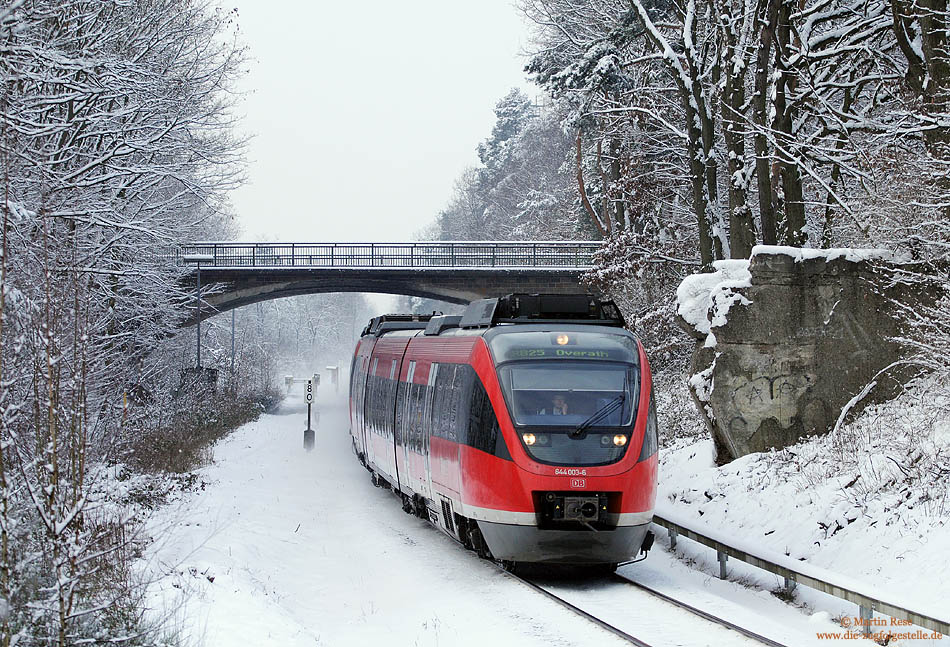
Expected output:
(558, 406)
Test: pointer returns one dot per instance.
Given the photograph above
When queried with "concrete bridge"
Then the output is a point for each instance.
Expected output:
(239, 274)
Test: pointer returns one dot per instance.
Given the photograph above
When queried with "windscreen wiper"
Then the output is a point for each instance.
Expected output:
(603, 412)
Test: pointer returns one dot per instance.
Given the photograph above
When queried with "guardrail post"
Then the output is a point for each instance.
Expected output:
(672, 538)
(452, 263)
(372, 255)
(493, 248)
(412, 255)
(332, 262)
(722, 564)
(866, 614)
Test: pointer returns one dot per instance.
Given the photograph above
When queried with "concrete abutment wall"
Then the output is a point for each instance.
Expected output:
(785, 341)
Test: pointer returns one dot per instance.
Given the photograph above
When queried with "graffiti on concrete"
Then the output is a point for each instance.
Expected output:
(767, 396)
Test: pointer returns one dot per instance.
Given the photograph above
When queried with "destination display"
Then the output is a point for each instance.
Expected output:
(531, 353)
(563, 345)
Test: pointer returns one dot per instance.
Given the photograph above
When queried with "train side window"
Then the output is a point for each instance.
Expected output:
(457, 422)
(412, 412)
(371, 390)
(416, 404)
(368, 402)
(651, 433)
(447, 406)
(462, 391)
(484, 432)
(362, 392)
(379, 395)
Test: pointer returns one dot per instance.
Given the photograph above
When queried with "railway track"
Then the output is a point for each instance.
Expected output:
(627, 637)
(606, 626)
(698, 612)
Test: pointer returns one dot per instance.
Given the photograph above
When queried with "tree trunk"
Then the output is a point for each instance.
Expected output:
(583, 191)
(741, 223)
(619, 212)
(792, 227)
(766, 13)
(697, 177)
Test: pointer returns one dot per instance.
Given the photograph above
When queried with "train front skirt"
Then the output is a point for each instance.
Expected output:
(516, 543)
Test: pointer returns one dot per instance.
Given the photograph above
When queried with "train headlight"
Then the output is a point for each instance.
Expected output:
(529, 439)
(562, 340)
(605, 441)
(620, 440)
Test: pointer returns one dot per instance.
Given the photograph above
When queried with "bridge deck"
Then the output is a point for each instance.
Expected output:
(239, 274)
(425, 255)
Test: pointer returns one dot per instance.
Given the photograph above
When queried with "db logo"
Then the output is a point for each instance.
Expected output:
(578, 483)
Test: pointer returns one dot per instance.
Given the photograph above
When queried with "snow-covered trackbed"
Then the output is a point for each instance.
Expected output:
(287, 547)
(623, 635)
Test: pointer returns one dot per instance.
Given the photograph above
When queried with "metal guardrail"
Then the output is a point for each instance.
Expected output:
(429, 255)
(813, 577)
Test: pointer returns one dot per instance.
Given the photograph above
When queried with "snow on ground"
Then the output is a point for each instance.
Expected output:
(284, 547)
(869, 502)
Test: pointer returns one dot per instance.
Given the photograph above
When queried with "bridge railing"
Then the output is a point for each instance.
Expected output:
(394, 255)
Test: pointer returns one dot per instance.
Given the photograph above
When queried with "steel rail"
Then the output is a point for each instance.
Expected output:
(699, 612)
(606, 626)
(796, 572)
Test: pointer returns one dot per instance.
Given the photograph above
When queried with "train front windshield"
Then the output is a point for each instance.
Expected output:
(572, 396)
(567, 393)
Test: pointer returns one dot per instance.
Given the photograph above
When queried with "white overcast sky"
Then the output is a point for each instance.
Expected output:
(364, 113)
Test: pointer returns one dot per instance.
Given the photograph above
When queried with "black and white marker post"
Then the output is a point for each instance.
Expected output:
(308, 432)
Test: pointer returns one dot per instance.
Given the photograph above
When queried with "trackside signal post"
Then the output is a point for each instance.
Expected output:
(308, 432)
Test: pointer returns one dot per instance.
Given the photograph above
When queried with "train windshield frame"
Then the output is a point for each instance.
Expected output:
(572, 396)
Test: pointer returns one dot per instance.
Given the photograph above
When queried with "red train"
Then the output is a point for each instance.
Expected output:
(525, 428)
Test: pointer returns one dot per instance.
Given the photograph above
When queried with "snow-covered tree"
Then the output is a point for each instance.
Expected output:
(115, 145)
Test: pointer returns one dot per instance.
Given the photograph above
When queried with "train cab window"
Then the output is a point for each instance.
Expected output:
(568, 394)
(572, 412)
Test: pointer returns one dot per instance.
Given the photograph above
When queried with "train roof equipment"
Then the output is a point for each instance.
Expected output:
(542, 308)
(386, 323)
(442, 322)
(509, 309)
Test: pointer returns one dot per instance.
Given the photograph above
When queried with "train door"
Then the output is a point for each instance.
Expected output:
(405, 433)
(369, 394)
(457, 426)
(428, 424)
(360, 396)
(388, 421)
